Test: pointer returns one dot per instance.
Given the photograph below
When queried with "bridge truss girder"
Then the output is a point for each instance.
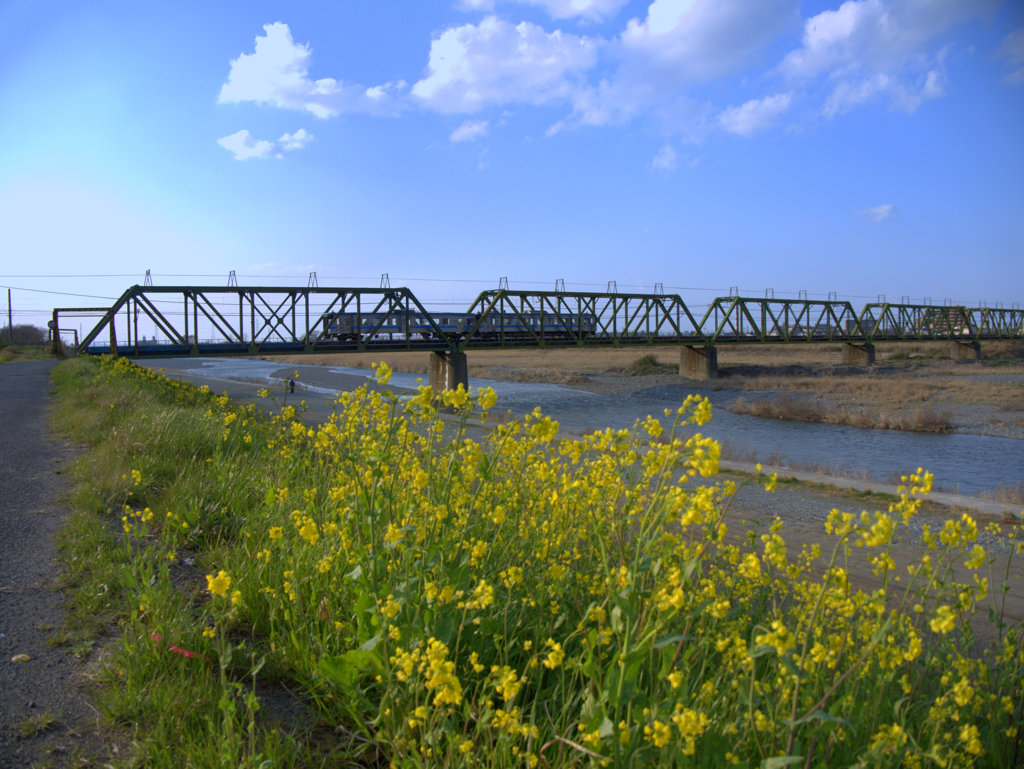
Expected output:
(997, 322)
(564, 319)
(737, 319)
(249, 320)
(921, 322)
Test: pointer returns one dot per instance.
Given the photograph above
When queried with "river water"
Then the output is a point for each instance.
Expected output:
(968, 464)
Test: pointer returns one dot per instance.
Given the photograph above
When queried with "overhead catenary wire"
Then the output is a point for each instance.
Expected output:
(578, 286)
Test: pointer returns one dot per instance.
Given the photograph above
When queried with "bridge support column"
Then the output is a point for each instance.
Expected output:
(698, 362)
(964, 350)
(447, 371)
(858, 354)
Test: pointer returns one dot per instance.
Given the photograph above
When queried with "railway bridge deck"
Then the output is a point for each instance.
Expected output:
(171, 321)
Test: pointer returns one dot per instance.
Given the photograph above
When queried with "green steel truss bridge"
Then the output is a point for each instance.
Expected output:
(170, 321)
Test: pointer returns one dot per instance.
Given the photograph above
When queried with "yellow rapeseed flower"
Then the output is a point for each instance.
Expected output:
(219, 584)
(486, 398)
(658, 734)
(943, 621)
(555, 654)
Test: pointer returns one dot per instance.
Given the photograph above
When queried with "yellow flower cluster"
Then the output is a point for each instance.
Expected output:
(512, 597)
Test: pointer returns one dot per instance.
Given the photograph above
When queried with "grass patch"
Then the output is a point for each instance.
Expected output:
(17, 353)
(924, 419)
(37, 724)
(1010, 493)
(384, 589)
(648, 365)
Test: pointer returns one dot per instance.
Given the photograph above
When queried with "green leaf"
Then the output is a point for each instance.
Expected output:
(818, 715)
(589, 708)
(780, 761)
(343, 670)
(616, 620)
(443, 629)
(370, 645)
(672, 639)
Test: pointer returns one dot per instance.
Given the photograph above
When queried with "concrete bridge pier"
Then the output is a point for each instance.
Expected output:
(698, 362)
(858, 354)
(447, 371)
(964, 350)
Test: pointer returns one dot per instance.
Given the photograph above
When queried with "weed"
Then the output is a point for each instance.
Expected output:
(1011, 493)
(37, 724)
(24, 352)
(926, 420)
(649, 364)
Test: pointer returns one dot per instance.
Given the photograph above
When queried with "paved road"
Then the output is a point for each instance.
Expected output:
(31, 482)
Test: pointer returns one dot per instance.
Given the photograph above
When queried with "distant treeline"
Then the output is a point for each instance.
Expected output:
(22, 333)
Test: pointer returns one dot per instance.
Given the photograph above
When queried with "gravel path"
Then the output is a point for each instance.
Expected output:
(43, 695)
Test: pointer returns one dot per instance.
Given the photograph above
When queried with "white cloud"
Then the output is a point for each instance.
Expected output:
(681, 43)
(689, 41)
(849, 94)
(1012, 52)
(879, 213)
(468, 131)
(277, 73)
(754, 115)
(867, 49)
(295, 141)
(244, 145)
(656, 70)
(558, 9)
(666, 160)
(496, 62)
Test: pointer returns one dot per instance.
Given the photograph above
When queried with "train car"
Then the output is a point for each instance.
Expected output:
(354, 327)
(453, 325)
(533, 325)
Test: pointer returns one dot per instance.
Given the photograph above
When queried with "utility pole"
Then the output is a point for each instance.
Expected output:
(10, 319)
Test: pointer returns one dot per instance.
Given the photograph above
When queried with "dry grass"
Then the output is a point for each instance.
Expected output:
(922, 420)
(1010, 493)
(915, 385)
(23, 352)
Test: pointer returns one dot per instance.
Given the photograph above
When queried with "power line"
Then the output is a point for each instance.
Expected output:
(60, 293)
(370, 279)
(125, 275)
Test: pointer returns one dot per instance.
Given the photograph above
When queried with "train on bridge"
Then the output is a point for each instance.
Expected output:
(510, 327)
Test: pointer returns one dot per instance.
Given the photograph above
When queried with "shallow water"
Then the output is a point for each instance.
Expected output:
(966, 463)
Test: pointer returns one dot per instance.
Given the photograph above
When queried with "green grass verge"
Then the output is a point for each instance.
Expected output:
(16, 353)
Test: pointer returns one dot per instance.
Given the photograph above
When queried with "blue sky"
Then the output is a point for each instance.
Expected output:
(867, 147)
